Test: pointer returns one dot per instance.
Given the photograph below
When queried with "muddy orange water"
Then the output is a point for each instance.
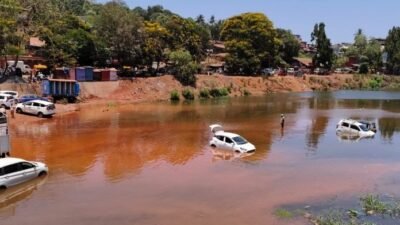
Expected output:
(151, 163)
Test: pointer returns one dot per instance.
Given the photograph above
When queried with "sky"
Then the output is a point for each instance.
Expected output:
(342, 17)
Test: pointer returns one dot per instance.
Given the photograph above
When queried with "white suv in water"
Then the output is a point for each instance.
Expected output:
(36, 107)
(354, 127)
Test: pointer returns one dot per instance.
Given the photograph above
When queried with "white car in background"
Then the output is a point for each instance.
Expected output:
(36, 107)
(354, 127)
(226, 140)
(14, 171)
(13, 93)
(6, 100)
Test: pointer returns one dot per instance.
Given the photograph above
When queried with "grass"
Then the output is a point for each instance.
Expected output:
(371, 204)
(284, 214)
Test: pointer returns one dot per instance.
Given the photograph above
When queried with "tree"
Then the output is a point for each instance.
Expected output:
(120, 30)
(184, 68)
(185, 34)
(393, 50)
(155, 43)
(324, 56)
(289, 47)
(374, 54)
(251, 42)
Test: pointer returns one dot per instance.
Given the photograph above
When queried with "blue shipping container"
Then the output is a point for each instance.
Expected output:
(88, 73)
(60, 88)
(80, 74)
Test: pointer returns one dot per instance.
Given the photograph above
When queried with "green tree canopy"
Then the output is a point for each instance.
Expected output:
(289, 47)
(393, 50)
(324, 56)
(251, 42)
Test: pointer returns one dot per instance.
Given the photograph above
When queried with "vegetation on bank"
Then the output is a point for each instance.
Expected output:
(372, 209)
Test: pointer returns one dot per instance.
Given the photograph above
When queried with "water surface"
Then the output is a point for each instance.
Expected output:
(151, 163)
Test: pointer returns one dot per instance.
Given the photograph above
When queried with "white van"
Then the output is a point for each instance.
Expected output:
(20, 64)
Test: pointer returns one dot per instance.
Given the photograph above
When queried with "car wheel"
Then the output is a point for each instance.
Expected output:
(18, 110)
(212, 145)
(3, 106)
(237, 151)
(43, 173)
(2, 188)
(40, 114)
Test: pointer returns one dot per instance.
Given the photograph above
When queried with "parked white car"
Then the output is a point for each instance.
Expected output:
(13, 93)
(6, 100)
(36, 107)
(226, 140)
(14, 171)
(348, 126)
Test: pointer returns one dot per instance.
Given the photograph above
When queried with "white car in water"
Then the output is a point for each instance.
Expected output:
(14, 171)
(354, 127)
(226, 140)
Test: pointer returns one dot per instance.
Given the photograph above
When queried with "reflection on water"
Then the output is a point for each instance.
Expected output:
(152, 163)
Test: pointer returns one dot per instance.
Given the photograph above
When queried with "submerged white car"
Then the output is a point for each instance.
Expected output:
(14, 171)
(226, 140)
(354, 127)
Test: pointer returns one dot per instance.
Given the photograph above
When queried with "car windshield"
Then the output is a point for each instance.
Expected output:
(364, 127)
(239, 140)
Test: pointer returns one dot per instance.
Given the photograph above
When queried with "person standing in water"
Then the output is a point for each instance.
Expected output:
(282, 121)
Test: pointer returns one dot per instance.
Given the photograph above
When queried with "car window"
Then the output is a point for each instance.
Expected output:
(240, 140)
(11, 169)
(28, 103)
(36, 104)
(1, 97)
(345, 124)
(228, 140)
(26, 165)
(354, 127)
(221, 138)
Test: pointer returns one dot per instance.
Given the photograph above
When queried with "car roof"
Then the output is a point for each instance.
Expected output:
(41, 102)
(8, 161)
(3, 94)
(227, 134)
(350, 121)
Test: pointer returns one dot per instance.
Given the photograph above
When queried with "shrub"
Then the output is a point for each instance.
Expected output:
(246, 92)
(364, 68)
(215, 92)
(174, 95)
(204, 93)
(188, 94)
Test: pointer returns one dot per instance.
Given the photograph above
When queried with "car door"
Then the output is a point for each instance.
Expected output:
(220, 141)
(27, 107)
(345, 127)
(35, 108)
(354, 129)
(229, 143)
(12, 174)
(28, 170)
